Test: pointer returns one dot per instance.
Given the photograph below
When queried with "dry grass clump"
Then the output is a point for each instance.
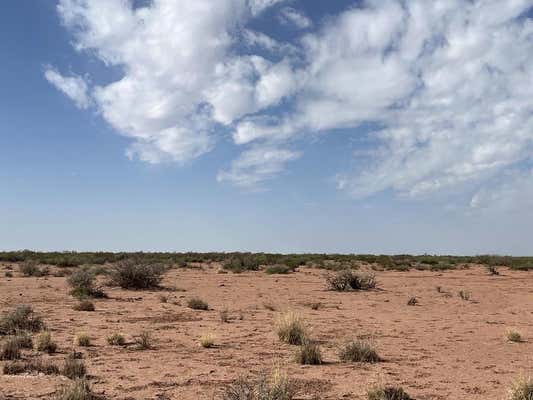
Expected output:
(136, 274)
(144, 341)
(207, 340)
(84, 305)
(309, 354)
(73, 368)
(464, 295)
(77, 390)
(521, 389)
(30, 366)
(276, 387)
(10, 350)
(82, 339)
(197, 304)
(513, 335)
(21, 318)
(413, 301)
(347, 279)
(116, 339)
(45, 343)
(387, 393)
(291, 328)
(359, 350)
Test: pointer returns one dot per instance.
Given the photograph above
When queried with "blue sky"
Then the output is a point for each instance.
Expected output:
(282, 126)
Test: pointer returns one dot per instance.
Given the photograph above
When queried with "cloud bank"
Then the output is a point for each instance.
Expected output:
(449, 83)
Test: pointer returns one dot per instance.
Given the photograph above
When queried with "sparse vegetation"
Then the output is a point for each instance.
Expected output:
(30, 268)
(116, 339)
(224, 316)
(278, 269)
(413, 301)
(134, 273)
(82, 282)
(207, 340)
(387, 393)
(291, 328)
(276, 387)
(144, 341)
(513, 335)
(359, 350)
(521, 389)
(73, 368)
(21, 318)
(77, 390)
(45, 343)
(10, 349)
(30, 366)
(348, 279)
(84, 305)
(464, 295)
(493, 270)
(197, 304)
(309, 354)
(82, 339)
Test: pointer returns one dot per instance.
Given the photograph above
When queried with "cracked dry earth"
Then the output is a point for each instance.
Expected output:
(442, 348)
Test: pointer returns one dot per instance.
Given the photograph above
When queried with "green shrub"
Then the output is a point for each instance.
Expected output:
(82, 283)
(278, 269)
(21, 318)
(197, 304)
(359, 351)
(309, 354)
(135, 274)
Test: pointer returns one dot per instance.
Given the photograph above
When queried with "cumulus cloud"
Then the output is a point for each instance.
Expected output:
(448, 83)
(74, 87)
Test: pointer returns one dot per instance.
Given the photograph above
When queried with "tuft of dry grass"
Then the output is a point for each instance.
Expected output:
(82, 339)
(73, 368)
(11, 349)
(387, 393)
(521, 389)
(77, 390)
(30, 366)
(144, 341)
(45, 343)
(84, 305)
(464, 295)
(347, 279)
(291, 328)
(116, 339)
(276, 387)
(207, 340)
(197, 304)
(309, 354)
(359, 350)
(513, 336)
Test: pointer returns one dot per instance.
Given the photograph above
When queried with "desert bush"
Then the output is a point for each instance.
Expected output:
(464, 295)
(77, 390)
(24, 340)
(73, 368)
(197, 304)
(278, 269)
(348, 279)
(358, 350)
(30, 268)
(30, 366)
(387, 393)
(413, 301)
(207, 340)
(116, 339)
(309, 354)
(21, 318)
(144, 341)
(291, 328)
(82, 339)
(136, 274)
(513, 336)
(521, 389)
(10, 349)
(82, 283)
(84, 305)
(276, 387)
(45, 343)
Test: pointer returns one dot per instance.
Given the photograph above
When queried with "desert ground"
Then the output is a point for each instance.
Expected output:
(444, 347)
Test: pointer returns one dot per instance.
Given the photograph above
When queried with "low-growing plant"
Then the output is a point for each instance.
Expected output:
(359, 350)
(521, 389)
(10, 350)
(144, 341)
(348, 279)
(136, 274)
(116, 339)
(513, 336)
(464, 295)
(84, 305)
(8, 274)
(315, 306)
(162, 298)
(413, 301)
(207, 340)
(24, 340)
(82, 339)
(224, 316)
(387, 393)
(45, 343)
(291, 328)
(21, 318)
(82, 282)
(30, 366)
(31, 268)
(77, 390)
(73, 368)
(197, 304)
(492, 270)
(278, 269)
(309, 353)
(276, 387)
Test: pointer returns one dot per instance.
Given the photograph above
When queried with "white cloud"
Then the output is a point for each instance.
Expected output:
(449, 82)
(74, 87)
(289, 15)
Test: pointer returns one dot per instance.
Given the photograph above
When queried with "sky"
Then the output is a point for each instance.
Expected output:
(377, 126)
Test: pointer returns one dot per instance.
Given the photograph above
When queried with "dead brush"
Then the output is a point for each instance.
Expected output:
(387, 393)
(30, 366)
(359, 350)
(45, 343)
(10, 349)
(144, 341)
(521, 389)
(291, 328)
(73, 368)
(21, 318)
(277, 386)
(347, 279)
(77, 390)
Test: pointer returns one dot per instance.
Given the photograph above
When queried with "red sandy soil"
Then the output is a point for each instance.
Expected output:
(442, 348)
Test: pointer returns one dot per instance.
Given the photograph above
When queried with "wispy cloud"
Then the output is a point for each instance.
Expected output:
(74, 87)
